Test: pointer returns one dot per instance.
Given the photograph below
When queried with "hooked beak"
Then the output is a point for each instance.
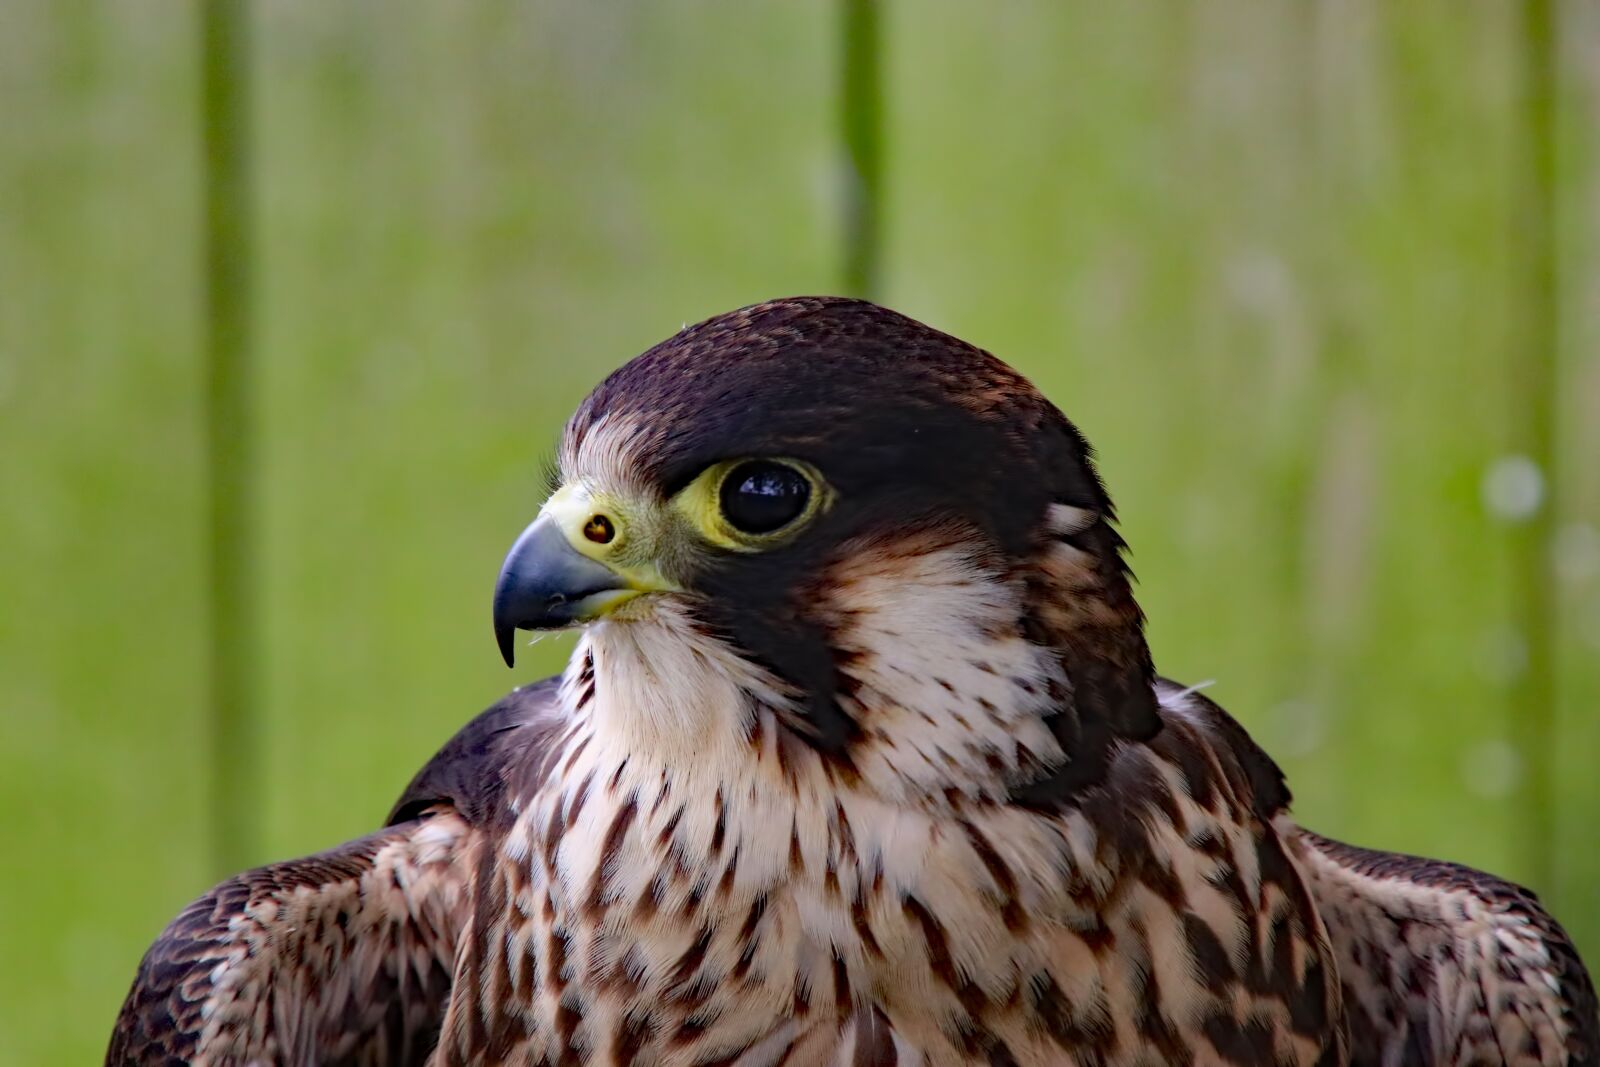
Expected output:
(546, 584)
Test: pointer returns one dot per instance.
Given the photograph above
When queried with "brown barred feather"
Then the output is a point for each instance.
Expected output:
(341, 957)
(1446, 965)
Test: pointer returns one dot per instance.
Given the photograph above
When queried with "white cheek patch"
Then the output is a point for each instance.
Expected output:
(946, 689)
(1064, 520)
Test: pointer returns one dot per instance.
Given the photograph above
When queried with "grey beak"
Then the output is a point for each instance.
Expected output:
(544, 583)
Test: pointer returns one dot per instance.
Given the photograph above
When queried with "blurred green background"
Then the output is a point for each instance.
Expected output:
(1319, 279)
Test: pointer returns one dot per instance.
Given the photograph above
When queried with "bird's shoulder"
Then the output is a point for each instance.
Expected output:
(1198, 755)
(1194, 727)
(497, 752)
(1186, 826)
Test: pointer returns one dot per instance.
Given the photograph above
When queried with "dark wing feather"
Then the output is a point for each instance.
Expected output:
(1444, 966)
(344, 957)
(498, 749)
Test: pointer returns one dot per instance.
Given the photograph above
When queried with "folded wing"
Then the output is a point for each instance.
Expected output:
(1443, 965)
(344, 956)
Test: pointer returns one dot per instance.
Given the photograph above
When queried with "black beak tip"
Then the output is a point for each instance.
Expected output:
(506, 637)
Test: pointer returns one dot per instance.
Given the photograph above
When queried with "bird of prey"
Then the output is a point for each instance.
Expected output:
(860, 758)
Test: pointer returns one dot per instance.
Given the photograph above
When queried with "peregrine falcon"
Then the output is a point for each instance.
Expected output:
(860, 758)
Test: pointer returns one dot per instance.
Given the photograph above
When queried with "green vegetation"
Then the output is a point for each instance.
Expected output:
(1309, 276)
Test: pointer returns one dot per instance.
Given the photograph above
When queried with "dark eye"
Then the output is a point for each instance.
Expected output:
(760, 496)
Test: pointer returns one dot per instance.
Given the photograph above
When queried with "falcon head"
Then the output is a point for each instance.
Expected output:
(886, 542)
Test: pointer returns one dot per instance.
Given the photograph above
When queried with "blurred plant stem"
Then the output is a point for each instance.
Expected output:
(861, 118)
(1532, 373)
(227, 249)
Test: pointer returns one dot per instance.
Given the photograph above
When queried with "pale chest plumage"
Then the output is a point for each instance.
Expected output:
(730, 909)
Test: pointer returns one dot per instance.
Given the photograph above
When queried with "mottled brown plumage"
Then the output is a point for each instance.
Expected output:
(342, 957)
(1444, 964)
(898, 784)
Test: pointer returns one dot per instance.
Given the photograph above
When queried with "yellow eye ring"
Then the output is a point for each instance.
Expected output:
(754, 504)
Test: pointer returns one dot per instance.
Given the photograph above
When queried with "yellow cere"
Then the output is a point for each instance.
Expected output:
(636, 534)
